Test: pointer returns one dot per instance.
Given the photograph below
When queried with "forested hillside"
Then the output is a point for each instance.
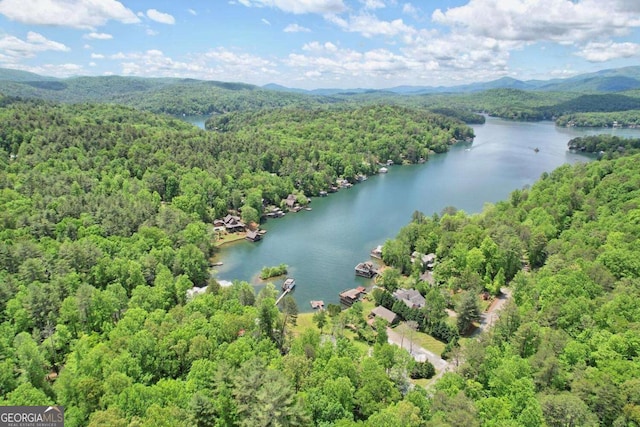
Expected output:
(613, 91)
(566, 353)
(362, 136)
(105, 223)
(170, 96)
(630, 118)
(605, 145)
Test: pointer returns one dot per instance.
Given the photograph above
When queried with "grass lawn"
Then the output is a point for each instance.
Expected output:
(305, 321)
(228, 238)
(368, 304)
(423, 340)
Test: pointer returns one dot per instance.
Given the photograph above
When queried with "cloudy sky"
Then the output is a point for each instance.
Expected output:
(321, 43)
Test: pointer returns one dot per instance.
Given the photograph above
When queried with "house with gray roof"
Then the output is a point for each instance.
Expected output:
(411, 297)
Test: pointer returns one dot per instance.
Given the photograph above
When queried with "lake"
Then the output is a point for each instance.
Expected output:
(322, 246)
(198, 121)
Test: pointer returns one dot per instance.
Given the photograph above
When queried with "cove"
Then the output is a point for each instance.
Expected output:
(198, 121)
(323, 246)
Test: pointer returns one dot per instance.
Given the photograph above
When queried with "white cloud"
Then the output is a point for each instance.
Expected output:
(163, 18)
(368, 25)
(373, 4)
(411, 10)
(227, 57)
(193, 12)
(295, 28)
(299, 6)
(217, 64)
(627, 5)
(151, 32)
(98, 36)
(17, 48)
(97, 56)
(85, 14)
(318, 47)
(265, 22)
(561, 21)
(606, 51)
(92, 64)
(329, 63)
(460, 52)
(151, 63)
(55, 70)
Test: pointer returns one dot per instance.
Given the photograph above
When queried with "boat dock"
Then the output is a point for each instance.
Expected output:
(366, 269)
(282, 296)
(287, 287)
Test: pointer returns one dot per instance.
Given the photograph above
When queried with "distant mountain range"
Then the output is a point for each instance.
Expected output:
(505, 97)
(611, 80)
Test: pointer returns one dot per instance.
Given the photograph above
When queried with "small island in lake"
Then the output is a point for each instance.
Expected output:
(269, 272)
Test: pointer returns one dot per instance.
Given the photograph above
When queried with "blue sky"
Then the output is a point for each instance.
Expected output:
(321, 43)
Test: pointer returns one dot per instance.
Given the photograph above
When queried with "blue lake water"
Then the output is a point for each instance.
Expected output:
(322, 246)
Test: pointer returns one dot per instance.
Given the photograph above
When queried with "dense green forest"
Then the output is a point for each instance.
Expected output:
(105, 223)
(171, 96)
(197, 97)
(516, 104)
(97, 253)
(629, 118)
(362, 136)
(566, 353)
(605, 145)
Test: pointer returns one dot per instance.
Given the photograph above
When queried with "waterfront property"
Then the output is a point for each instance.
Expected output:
(410, 297)
(275, 213)
(322, 249)
(383, 313)
(289, 284)
(351, 296)
(317, 305)
(253, 235)
(232, 223)
(377, 252)
(290, 201)
(426, 261)
(287, 287)
(366, 269)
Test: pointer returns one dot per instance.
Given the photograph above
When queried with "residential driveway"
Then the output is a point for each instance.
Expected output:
(489, 317)
(419, 354)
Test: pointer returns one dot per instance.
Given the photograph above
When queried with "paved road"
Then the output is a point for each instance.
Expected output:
(419, 354)
(487, 320)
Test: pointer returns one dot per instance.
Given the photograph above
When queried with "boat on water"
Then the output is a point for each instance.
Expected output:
(289, 284)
